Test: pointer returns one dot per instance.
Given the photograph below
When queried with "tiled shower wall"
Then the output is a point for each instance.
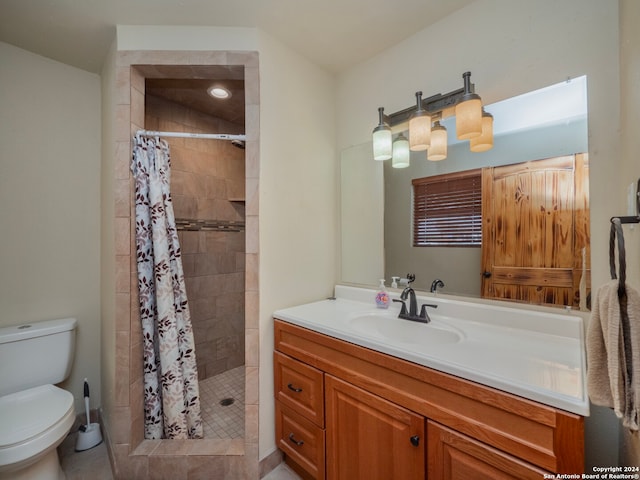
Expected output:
(207, 183)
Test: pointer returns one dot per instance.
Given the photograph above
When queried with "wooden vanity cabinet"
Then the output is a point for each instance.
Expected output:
(371, 438)
(376, 410)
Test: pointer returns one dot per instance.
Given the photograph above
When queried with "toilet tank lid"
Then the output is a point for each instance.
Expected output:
(36, 329)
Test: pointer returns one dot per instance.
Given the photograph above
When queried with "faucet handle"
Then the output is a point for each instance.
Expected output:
(430, 305)
(423, 310)
(403, 309)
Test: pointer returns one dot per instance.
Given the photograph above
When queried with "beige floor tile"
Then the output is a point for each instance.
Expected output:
(92, 463)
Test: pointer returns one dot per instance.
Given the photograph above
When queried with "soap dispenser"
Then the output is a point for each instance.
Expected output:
(382, 297)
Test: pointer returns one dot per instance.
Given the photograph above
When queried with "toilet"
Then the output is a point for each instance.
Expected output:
(35, 415)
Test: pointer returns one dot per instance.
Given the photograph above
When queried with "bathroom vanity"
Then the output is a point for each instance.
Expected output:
(356, 401)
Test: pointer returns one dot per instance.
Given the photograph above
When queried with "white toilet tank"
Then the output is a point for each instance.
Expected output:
(37, 353)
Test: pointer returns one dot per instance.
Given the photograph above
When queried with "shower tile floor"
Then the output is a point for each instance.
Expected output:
(220, 420)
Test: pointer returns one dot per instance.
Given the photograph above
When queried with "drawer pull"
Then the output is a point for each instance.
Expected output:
(294, 389)
(293, 440)
(415, 440)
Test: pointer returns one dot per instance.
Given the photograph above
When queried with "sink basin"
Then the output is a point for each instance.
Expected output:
(387, 326)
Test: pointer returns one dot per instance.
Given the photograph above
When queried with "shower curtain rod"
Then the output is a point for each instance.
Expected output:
(210, 136)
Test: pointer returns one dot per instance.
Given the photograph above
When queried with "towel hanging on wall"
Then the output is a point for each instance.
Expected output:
(613, 340)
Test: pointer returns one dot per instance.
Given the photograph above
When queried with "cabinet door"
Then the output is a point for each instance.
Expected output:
(369, 438)
(454, 456)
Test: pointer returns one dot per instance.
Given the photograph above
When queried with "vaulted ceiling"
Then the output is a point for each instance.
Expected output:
(334, 34)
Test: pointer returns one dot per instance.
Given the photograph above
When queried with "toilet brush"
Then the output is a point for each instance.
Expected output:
(88, 435)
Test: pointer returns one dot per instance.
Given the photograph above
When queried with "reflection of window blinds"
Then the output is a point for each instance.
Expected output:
(447, 210)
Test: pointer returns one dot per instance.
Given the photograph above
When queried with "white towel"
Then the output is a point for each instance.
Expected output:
(607, 381)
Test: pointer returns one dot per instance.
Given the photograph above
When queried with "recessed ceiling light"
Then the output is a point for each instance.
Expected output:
(219, 92)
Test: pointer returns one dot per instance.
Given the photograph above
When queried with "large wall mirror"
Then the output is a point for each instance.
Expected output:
(377, 200)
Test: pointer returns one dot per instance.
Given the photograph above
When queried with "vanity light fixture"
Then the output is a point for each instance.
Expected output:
(438, 149)
(400, 152)
(382, 143)
(468, 112)
(483, 142)
(419, 127)
(472, 123)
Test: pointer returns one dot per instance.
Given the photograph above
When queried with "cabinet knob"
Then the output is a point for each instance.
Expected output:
(415, 440)
(294, 389)
(293, 440)
(486, 274)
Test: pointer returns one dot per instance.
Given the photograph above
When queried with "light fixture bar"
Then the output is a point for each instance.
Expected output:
(434, 104)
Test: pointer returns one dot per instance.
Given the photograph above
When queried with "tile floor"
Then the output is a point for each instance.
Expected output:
(281, 472)
(222, 421)
(90, 464)
(94, 464)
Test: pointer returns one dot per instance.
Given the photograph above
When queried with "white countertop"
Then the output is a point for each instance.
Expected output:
(534, 354)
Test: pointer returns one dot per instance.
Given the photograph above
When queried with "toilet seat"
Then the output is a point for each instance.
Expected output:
(33, 421)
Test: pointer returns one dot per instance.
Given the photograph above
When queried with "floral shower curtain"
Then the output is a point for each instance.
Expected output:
(171, 396)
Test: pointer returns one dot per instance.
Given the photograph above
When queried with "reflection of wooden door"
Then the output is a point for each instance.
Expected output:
(535, 226)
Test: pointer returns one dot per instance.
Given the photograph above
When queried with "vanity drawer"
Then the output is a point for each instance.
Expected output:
(300, 387)
(301, 440)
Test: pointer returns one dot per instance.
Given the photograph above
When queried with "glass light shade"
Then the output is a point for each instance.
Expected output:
(438, 149)
(420, 131)
(382, 143)
(469, 117)
(485, 141)
(400, 152)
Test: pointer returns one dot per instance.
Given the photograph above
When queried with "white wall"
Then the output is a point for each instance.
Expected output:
(298, 176)
(298, 198)
(630, 116)
(630, 171)
(510, 48)
(107, 232)
(49, 202)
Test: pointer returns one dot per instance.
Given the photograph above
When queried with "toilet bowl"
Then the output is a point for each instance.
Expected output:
(35, 415)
